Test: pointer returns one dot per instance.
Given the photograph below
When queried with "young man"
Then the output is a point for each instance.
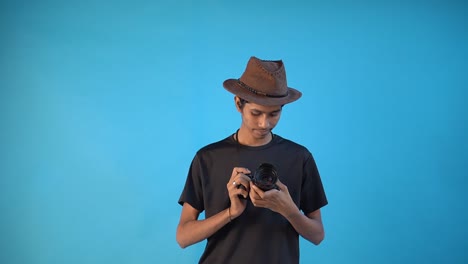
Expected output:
(243, 222)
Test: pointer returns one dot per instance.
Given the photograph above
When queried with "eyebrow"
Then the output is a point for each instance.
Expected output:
(274, 111)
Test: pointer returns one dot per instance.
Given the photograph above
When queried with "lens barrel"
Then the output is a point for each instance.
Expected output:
(265, 177)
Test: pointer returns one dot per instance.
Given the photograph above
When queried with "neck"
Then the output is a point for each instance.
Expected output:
(243, 138)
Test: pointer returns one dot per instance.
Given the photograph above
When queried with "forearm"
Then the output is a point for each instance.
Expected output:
(195, 231)
(309, 228)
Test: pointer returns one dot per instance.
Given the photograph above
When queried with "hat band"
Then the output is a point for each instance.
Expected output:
(252, 90)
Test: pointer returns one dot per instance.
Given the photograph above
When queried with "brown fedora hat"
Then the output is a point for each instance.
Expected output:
(263, 82)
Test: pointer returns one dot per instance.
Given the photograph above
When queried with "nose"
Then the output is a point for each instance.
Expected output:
(263, 122)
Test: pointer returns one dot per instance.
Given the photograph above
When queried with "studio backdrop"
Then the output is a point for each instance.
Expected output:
(103, 105)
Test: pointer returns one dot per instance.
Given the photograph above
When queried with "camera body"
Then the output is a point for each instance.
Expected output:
(265, 177)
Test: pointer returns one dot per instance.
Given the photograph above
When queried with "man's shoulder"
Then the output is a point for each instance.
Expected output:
(290, 143)
(218, 145)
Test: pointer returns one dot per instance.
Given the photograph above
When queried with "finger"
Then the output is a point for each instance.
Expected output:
(271, 195)
(238, 170)
(243, 170)
(244, 193)
(281, 186)
(256, 200)
(240, 179)
(239, 191)
(254, 195)
(243, 180)
(240, 182)
(257, 191)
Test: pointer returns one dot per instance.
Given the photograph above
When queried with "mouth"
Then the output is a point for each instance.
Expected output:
(262, 132)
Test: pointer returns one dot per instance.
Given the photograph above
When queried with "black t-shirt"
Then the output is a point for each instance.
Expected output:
(258, 235)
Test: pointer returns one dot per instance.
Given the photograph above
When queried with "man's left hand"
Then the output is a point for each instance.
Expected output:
(279, 201)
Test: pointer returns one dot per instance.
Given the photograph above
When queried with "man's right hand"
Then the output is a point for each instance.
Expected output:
(238, 186)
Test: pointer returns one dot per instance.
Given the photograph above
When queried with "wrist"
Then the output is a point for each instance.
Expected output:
(293, 213)
(229, 214)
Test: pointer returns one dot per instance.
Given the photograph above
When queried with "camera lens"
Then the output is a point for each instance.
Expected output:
(265, 176)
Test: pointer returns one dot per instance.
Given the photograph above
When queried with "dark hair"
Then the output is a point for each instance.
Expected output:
(242, 102)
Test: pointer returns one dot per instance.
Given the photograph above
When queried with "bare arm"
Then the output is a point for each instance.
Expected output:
(191, 230)
(308, 226)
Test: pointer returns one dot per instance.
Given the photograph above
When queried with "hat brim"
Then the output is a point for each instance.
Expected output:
(232, 85)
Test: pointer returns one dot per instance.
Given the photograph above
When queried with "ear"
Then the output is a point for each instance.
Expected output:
(237, 103)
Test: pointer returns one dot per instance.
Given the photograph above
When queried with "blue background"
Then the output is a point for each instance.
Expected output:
(104, 103)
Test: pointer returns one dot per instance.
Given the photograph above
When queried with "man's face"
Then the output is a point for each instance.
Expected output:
(259, 120)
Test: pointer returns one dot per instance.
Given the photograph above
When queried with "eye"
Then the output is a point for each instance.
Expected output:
(255, 113)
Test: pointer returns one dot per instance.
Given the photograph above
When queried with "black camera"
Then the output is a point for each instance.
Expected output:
(265, 177)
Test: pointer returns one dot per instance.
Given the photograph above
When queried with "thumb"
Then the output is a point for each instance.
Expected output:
(281, 186)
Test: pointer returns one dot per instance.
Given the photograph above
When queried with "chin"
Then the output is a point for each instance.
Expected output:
(262, 135)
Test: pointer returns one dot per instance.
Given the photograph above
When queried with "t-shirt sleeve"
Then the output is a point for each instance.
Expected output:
(312, 194)
(193, 190)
